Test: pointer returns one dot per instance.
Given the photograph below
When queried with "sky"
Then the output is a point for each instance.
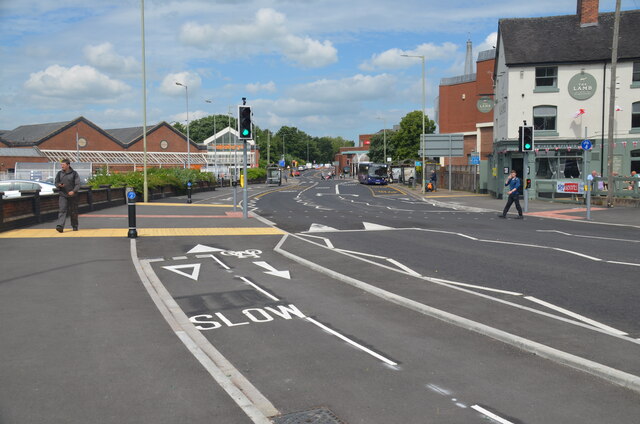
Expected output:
(328, 67)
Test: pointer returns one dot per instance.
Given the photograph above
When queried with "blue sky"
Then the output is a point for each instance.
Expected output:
(328, 67)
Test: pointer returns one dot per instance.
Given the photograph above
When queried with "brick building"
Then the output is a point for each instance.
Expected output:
(465, 106)
(120, 149)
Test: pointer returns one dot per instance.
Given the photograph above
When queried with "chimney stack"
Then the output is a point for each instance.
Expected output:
(588, 12)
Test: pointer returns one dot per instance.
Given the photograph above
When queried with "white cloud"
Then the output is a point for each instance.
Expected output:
(392, 58)
(490, 42)
(104, 57)
(191, 80)
(80, 83)
(357, 88)
(269, 87)
(268, 33)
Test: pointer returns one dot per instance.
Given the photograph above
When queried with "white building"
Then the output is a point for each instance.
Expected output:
(555, 74)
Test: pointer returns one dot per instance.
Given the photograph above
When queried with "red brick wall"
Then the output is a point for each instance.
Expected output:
(588, 11)
(66, 140)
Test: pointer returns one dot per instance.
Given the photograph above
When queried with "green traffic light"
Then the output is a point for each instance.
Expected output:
(245, 132)
(527, 146)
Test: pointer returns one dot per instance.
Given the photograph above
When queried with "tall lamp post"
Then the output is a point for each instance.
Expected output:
(424, 168)
(215, 143)
(186, 89)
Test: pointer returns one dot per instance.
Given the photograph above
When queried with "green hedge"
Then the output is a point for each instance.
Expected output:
(156, 177)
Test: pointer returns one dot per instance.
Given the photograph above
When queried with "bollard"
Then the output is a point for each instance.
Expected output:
(189, 191)
(131, 205)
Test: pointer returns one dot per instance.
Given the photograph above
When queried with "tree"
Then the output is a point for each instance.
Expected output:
(405, 143)
(203, 128)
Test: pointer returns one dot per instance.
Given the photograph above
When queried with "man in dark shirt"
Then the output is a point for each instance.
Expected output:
(514, 197)
(68, 182)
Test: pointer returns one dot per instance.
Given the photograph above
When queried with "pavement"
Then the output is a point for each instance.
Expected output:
(82, 342)
(619, 215)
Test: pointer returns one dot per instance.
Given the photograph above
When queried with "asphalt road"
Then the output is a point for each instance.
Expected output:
(370, 302)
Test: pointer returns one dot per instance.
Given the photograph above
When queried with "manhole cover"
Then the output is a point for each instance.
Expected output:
(313, 416)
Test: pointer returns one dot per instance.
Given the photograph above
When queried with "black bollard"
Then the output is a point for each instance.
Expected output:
(131, 205)
(189, 191)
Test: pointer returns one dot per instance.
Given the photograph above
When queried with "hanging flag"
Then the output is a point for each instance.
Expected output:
(580, 112)
(618, 108)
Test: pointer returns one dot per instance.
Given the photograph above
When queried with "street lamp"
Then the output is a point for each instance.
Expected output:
(424, 168)
(215, 144)
(186, 89)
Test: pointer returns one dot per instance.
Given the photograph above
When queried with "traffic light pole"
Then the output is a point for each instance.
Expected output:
(245, 200)
(525, 163)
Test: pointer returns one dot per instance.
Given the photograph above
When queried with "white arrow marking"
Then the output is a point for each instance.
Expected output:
(271, 270)
(195, 272)
(201, 248)
(375, 227)
(319, 228)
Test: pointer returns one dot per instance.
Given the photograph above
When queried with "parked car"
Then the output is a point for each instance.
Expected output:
(13, 188)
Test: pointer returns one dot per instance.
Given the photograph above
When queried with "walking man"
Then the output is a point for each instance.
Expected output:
(514, 197)
(68, 182)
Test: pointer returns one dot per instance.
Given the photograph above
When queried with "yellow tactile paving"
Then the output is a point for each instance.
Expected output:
(142, 232)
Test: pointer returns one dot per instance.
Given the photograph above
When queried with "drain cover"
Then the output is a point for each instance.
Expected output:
(313, 416)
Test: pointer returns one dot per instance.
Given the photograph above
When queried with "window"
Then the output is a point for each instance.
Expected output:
(635, 79)
(547, 77)
(544, 118)
(635, 116)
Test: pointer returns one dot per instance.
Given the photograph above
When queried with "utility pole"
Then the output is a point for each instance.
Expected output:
(612, 105)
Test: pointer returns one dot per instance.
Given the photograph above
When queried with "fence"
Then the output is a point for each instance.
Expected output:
(31, 208)
(463, 178)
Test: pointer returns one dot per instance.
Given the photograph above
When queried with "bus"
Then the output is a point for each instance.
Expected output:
(372, 173)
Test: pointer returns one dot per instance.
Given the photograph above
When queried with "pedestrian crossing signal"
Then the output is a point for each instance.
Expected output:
(245, 130)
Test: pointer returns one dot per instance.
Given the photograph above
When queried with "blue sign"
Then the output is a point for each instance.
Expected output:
(475, 160)
(131, 195)
(418, 163)
(281, 163)
(586, 145)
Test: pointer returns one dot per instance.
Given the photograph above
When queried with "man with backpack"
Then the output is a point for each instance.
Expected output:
(68, 182)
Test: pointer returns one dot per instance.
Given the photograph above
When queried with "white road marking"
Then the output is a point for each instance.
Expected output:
(456, 283)
(376, 227)
(319, 228)
(178, 258)
(201, 248)
(351, 342)
(258, 288)
(622, 263)
(272, 271)
(195, 270)
(222, 264)
(592, 237)
(490, 415)
(576, 316)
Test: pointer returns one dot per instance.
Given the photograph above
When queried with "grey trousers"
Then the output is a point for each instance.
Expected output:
(67, 206)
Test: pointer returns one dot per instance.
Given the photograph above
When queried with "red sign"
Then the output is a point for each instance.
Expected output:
(367, 142)
(571, 188)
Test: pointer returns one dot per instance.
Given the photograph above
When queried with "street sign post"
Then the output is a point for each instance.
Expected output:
(436, 145)
(588, 185)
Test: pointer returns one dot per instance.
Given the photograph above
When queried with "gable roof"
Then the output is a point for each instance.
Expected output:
(561, 39)
(31, 134)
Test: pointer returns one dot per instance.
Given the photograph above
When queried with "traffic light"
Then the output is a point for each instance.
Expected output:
(528, 184)
(527, 139)
(245, 132)
(519, 139)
